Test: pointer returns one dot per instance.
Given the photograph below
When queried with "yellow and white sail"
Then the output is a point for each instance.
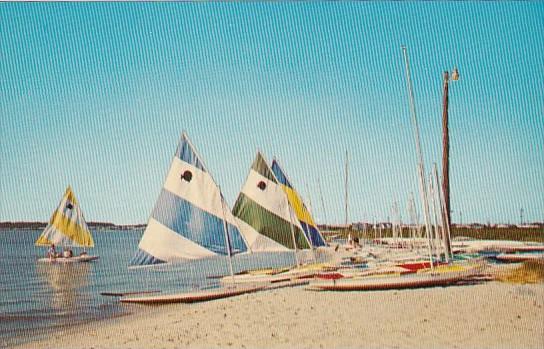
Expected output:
(67, 227)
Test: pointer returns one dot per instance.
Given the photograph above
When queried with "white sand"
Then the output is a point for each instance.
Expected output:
(491, 315)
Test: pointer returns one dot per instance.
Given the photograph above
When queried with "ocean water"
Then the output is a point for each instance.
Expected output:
(37, 299)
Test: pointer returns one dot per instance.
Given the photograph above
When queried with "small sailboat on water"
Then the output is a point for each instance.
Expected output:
(67, 229)
(190, 220)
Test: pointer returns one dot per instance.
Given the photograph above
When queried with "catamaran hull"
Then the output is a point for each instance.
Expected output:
(64, 260)
(192, 297)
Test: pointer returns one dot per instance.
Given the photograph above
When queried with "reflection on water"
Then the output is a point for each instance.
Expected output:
(36, 299)
(66, 282)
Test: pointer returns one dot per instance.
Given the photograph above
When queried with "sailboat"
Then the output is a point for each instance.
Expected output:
(67, 229)
(302, 213)
(263, 206)
(269, 223)
(190, 220)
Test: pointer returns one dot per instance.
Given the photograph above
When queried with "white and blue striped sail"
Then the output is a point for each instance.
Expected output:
(188, 221)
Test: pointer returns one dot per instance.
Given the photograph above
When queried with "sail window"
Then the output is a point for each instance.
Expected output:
(187, 176)
(69, 206)
(261, 185)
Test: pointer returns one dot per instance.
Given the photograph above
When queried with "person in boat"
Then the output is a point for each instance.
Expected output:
(67, 253)
(52, 252)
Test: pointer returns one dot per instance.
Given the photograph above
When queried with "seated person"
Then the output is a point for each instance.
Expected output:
(51, 252)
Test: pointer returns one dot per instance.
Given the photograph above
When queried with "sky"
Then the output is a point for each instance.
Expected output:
(96, 95)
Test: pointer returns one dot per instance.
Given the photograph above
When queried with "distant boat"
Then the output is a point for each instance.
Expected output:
(67, 229)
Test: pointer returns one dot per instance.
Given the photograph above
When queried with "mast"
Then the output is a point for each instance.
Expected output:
(421, 167)
(227, 238)
(293, 234)
(312, 248)
(346, 190)
(411, 213)
(322, 202)
(310, 208)
(437, 236)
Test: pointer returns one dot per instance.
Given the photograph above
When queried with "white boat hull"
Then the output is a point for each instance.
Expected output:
(193, 297)
(64, 260)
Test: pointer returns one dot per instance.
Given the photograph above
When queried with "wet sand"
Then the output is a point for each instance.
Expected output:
(490, 315)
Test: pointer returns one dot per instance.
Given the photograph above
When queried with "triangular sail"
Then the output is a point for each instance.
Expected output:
(67, 227)
(302, 213)
(266, 217)
(189, 215)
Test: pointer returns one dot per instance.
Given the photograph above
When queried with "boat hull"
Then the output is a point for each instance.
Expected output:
(192, 297)
(64, 260)
(264, 278)
(518, 258)
(391, 283)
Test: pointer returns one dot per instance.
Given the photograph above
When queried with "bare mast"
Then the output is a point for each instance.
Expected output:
(421, 167)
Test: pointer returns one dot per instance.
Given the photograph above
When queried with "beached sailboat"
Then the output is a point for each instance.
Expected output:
(263, 206)
(190, 221)
(67, 229)
(301, 211)
(269, 223)
(398, 282)
(190, 218)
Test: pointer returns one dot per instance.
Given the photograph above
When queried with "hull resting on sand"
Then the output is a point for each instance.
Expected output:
(193, 297)
(394, 283)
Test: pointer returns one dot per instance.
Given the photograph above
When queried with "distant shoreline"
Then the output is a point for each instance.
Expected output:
(42, 225)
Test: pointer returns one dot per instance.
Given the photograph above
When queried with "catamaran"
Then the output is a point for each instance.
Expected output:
(67, 229)
(190, 220)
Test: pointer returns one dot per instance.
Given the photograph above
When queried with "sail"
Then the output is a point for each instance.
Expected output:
(302, 213)
(264, 211)
(67, 227)
(188, 220)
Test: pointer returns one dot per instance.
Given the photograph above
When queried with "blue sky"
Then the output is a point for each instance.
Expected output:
(96, 95)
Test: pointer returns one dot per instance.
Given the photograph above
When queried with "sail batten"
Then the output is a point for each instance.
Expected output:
(188, 220)
(67, 226)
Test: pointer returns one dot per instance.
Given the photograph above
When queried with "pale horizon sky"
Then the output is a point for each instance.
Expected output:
(96, 95)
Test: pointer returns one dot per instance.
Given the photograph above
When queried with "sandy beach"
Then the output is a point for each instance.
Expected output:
(490, 315)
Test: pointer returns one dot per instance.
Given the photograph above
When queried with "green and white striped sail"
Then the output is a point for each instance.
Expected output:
(67, 227)
(266, 218)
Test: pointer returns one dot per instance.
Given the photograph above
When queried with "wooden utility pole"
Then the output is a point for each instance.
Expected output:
(446, 150)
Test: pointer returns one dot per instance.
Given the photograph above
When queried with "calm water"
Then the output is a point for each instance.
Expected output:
(39, 298)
